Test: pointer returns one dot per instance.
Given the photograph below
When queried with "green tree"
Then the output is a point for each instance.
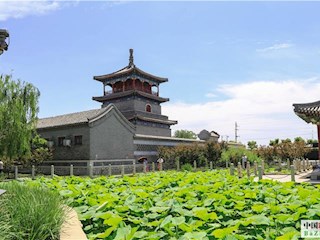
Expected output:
(252, 145)
(18, 115)
(299, 139)
(39, 152)
(185, 134)
(274, 142)
(311, 141)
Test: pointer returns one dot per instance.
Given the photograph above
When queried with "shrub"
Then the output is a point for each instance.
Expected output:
(187, 167)
(234, 155)
(30, 212)
(201, 153)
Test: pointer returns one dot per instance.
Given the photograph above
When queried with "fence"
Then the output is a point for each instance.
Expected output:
(95, 168)
(108, 168)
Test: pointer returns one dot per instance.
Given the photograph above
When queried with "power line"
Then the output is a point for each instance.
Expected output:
(236, 129)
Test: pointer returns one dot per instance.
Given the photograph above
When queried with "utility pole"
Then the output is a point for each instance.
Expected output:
(236, 129)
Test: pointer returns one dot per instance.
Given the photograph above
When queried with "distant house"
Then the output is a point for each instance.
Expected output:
(129, 124)
(209, 136)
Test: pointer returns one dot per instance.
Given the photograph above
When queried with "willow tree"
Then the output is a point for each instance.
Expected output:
(18, 115)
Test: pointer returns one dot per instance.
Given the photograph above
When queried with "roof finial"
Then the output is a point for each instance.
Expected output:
(131, 57)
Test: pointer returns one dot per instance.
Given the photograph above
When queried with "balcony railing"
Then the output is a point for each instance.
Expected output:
(120, 90)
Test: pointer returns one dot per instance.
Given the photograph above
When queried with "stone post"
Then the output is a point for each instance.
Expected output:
(292, 173)
(288, 163)
(134, 168)
(15, 172)
(33, 175)
(122, 170)
(248, 169)
(239, 170)
(232, 169)
(90, 170)
(52, 171)
(279, 164)
(260, 172)
(298, 161)
(195, 165)
(255, 168)
(211, 165)
(178, 164)
(262, 166)
(71, 170)
(153, 167)
(109, 170)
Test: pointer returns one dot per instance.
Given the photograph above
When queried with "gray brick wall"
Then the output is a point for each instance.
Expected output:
(75, 152)
(146, 130)
(111, 138)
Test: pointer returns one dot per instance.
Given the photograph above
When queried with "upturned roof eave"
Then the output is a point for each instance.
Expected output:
(309, 112)
(127, 71)
(169, 122)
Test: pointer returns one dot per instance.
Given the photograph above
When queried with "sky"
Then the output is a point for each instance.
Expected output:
(227, 62)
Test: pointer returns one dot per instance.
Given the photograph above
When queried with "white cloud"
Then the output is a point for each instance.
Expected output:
(262, 109)
(275, 47)
(210, 95)
(20, 9)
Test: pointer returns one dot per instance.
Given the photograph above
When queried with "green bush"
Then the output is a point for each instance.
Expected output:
(187, 167)
(30, 212)
(234, 155)
(201, 153)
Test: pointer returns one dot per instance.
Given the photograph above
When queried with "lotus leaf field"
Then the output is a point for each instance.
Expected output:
(188, 205)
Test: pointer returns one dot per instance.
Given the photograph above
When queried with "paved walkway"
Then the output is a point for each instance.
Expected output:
(72, 227)
(301, 177)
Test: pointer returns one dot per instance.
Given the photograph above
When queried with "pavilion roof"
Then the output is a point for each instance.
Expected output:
(309, 112)
(128, 71)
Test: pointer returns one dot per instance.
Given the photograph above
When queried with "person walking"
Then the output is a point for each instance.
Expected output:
(160, 161)
(145, 164)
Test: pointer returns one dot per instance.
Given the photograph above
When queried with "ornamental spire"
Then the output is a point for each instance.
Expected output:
(131, 58)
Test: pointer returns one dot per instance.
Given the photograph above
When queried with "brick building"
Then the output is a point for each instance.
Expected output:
(128, 125)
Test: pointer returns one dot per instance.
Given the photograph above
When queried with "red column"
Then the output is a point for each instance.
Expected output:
(134, 83)
(318, 127)
(123, 84)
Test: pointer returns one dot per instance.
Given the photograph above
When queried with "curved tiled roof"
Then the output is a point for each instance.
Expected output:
(309, 112)
(69, 119)
(85, 117)
(127, 71)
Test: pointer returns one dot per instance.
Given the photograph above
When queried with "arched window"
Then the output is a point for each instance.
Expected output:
(148, 108)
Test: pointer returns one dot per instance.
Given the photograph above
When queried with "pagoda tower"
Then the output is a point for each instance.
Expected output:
(136, 94)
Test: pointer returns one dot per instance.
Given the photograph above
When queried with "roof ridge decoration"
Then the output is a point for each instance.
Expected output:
(131, 64)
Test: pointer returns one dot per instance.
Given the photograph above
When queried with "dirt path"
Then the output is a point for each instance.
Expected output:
(72, 228)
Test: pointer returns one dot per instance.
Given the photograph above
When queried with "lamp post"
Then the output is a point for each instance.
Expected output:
(3, 44)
